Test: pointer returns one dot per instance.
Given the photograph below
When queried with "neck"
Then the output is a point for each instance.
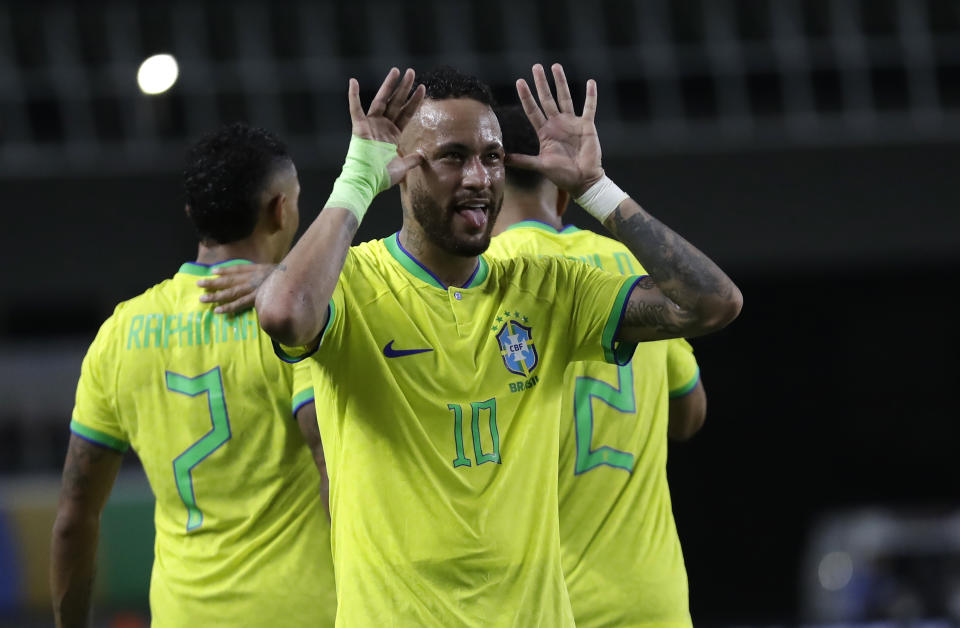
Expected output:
(452, 270)
(519, 206)
(213, 253)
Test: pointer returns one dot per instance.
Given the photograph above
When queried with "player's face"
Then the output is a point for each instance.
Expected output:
(456, 195)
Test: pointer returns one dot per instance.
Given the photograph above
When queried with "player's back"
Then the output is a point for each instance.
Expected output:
(241, 535)
(621, 553)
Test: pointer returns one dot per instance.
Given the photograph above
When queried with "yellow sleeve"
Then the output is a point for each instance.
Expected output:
(599, 301)
(302, 385)
(683, 373)
(95, 416)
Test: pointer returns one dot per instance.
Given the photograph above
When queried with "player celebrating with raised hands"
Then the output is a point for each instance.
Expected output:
(436, 370)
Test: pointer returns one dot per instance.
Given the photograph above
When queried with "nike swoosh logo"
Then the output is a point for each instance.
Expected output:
(390, 352)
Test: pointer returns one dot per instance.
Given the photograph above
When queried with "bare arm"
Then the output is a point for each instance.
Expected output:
(88, 476)
(307, 419)
(292, 302)
(687, 414)
(687, 295)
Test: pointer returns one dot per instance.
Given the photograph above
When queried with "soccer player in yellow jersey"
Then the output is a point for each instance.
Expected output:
(437, 369)
(242, 538)
(621, 553)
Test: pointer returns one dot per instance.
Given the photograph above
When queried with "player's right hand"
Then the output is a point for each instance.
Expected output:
(389, 112)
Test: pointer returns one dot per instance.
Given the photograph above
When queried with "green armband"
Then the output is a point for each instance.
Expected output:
(364, 175)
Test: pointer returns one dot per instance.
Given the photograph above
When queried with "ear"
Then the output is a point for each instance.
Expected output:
(276, 216)
(186, 210)
(563, 199)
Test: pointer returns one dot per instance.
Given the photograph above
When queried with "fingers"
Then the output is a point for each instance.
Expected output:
(530, 107)
(590, 102)
(563, 89)
(229, 294)
(400, 95)
(526, 162)
(380, 101)
(543, 91)
(400, 166)
(353, 98)
(410, 108)
(243, 303)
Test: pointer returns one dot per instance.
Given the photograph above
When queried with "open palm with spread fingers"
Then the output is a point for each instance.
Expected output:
(569, 146)
(388, 114)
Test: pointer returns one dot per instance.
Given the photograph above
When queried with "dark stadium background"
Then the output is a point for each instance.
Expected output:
(810, 147)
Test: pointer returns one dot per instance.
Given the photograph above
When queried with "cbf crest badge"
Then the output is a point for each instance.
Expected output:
(516, 345)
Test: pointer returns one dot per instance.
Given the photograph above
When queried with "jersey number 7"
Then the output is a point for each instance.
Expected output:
(210, 383)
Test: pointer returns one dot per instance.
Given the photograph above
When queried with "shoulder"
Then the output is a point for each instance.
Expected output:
(531, 273)
(369, 271)
(145, 302)
(366, 257)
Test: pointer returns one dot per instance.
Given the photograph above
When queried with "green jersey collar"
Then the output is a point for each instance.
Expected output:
(205, 270)
(413, 266)
(537, 224)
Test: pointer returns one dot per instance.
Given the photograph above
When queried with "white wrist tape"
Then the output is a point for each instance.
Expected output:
(602, 198)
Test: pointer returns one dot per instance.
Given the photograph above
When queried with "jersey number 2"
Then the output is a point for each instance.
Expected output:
(586, 389)
(210, 383)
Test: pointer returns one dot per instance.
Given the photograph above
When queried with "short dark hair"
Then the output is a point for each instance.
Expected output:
(520, 137)
(446, 82)
(225, 174)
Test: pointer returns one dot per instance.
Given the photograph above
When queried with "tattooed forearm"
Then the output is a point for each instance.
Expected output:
(667, 257)
(88, 476)
(655, 316)
(704, 297)
(82, 460)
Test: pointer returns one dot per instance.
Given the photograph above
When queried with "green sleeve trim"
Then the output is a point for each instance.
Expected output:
(480, 275)
(687, 388)
(98, 438)
(290, 358)
(619, 352)
(203, 270)
(302, 398)
(409, 264)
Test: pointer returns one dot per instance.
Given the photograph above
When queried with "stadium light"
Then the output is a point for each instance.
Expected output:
(835, 570)
(157, 74)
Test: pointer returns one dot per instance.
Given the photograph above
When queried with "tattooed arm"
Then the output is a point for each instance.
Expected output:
(88, 476)
(686, 294)
(307, 420)
(687, 414)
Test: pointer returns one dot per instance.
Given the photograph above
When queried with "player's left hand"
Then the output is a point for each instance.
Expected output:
(569, 146)
(234, 289)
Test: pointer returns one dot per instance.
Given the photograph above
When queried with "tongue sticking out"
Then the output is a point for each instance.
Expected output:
(476, 218)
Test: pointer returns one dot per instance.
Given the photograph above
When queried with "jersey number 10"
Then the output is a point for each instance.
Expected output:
(480, 457)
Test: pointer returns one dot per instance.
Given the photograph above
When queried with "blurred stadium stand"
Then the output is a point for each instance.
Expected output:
(675, 75)
(810, 146)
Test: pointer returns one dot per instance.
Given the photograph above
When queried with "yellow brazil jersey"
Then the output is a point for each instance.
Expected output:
(621, 552)
(241, 534)
(439, 416)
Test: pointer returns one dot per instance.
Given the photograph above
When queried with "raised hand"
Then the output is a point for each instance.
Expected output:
(234, 289)
(388, 114)
(569, 146)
